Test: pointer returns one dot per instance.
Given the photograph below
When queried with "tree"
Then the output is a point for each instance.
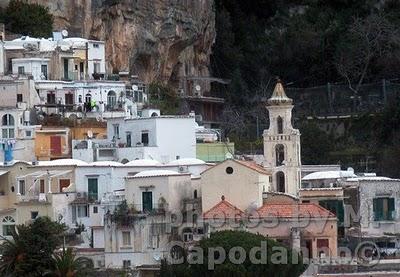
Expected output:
(163, 97)
(292, 265)
(368, 41)
(66, 264)
(30, 251)
(23, 18)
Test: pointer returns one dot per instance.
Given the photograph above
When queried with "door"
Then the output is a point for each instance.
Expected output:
(147, 200)
(93, 189)
(55, 145)
(64, 183)
(41, 186)
(69, 100)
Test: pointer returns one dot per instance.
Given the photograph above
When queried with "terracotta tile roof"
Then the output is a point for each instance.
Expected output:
(294, 211)
(223, 210)
(254, 166)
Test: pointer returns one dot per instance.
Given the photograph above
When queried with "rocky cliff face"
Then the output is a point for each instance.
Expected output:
(155, 39)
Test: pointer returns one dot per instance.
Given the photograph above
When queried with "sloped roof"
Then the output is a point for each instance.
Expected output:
(254, 166)
(298, 210)
(249, 164)
(223, 210)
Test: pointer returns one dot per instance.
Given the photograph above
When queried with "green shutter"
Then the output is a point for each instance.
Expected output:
(93, 189)
(378, 209)
(390, 208)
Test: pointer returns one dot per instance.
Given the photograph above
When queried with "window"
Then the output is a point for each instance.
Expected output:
(28, 133)
(116, 130)
(95, 209)
(111, 98)
(43, 69)
(95, 45)
(147, 200)
(384, 209)
(96, 67)
(21, 185)
(195, 194)
(229, 170)
(279, 154)
(126, 238)
(126, 264)
(64, 183)
(93, 189)
(128, 139)
(19, 97)
(21, 70)
(82, 210)
(145, 138)
(8, 226)
(88, 98)
(8, 126)
(80, 98)
(51, 98)
(279, 122)
(34, 214)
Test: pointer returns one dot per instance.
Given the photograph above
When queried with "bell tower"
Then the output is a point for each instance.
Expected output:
(282, 144)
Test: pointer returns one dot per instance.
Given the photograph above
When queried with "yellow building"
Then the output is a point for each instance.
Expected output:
(55, 142)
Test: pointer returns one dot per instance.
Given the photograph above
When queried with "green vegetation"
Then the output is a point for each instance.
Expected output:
(31, 252)
(164, 98)
(229, 239)
(309, 43)
(27, 19)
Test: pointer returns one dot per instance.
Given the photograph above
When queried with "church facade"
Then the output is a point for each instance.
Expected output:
(282, 154)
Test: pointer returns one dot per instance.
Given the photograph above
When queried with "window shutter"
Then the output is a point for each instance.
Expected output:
(391, 209)
(377, 209)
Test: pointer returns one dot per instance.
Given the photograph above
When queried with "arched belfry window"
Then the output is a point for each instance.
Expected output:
(279, 154)
(279, 122)
(280, 181)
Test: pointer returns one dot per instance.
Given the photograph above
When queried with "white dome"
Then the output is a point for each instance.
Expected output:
(106, 163)
(144, 162)
(187, 161)
(62, 162)
(154, 173)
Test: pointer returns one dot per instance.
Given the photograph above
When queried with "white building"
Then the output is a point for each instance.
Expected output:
(161, 138)
(282, 144)
(35, 67)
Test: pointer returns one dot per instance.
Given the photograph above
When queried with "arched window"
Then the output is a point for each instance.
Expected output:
(279, 122)
(280, 181)
(88, 98)
(195, 194)
(8, 126)
(8, 225)
(154, 114)
(279, 154)
(111, 98)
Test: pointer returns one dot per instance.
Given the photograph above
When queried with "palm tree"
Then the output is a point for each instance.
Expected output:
(66, 264)
(12, 255)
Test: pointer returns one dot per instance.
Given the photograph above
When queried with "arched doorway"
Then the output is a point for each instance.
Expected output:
(280, 181)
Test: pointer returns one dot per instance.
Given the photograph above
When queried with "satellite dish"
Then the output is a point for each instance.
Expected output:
(64, 33)
(197, 87)
(135, 87)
